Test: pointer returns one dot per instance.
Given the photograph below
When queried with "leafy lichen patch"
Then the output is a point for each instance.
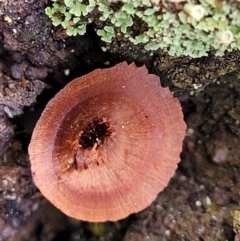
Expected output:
(179, 28)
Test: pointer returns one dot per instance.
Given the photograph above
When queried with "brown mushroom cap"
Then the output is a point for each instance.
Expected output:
(107, 143)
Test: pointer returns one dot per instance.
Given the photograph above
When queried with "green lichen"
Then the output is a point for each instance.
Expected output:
(96, 229)
(166, 26)
(107, 33)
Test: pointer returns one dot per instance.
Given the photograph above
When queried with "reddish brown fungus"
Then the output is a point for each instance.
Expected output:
(107, 143)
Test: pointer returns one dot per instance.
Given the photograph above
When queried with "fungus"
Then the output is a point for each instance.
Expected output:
(195, 11)
(107, 143)
(225, 37)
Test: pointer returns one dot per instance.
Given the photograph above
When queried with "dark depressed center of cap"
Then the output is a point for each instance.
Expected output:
(94, 132)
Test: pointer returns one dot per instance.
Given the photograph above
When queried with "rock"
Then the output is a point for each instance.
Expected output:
(33, 73)
(16, 71)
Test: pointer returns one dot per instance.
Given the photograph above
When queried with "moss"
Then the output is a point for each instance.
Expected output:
(181, 29)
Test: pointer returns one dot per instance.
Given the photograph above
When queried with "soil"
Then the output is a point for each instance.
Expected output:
(201, 201)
